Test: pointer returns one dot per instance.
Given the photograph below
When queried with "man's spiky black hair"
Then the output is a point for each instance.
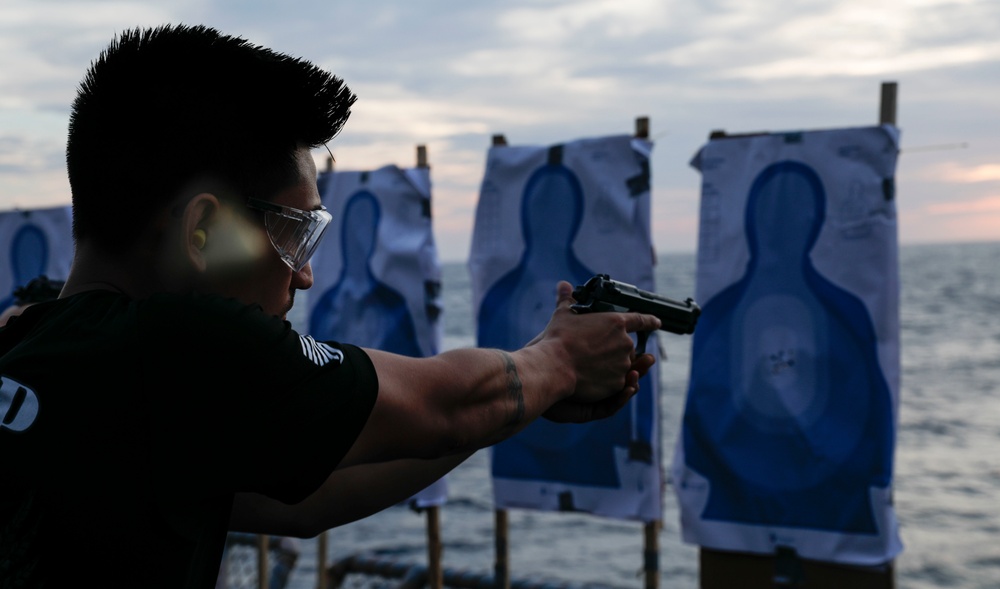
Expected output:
(165, 110)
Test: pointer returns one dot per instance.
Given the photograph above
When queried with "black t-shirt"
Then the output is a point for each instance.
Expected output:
(127, 426)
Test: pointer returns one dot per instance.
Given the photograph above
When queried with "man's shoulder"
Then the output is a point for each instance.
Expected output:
(201, 306)
(208, 316)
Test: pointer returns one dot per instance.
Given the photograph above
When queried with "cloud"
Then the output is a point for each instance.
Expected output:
(964, 220)
(389, 110)
(954, 172)
(46, 46)
(20, 156)
(796, 40)
(555, 24)
(869, 61)
(989, 204)
(449, 73)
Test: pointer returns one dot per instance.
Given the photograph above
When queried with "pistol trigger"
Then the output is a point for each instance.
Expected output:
(643, 338)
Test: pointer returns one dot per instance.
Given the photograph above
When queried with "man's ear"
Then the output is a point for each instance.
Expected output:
(199, 214)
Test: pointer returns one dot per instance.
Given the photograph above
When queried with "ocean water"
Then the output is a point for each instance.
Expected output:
(947, 481)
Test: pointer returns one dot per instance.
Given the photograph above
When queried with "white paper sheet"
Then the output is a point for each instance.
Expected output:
(567, 212)
(789, 427)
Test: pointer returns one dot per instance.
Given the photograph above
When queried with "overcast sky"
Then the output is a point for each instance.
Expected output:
(451, 73)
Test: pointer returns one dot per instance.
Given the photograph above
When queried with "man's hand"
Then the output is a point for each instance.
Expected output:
(600, 352)
(570, 411)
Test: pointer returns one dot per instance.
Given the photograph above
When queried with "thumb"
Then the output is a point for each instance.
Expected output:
(564, 294)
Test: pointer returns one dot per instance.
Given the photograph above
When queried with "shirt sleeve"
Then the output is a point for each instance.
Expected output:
(250, 405)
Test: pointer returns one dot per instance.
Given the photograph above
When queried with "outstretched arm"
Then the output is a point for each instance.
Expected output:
(581, 367)
(349, 494)
(433, 413)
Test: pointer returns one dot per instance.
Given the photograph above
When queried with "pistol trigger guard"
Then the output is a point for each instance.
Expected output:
(640, 348)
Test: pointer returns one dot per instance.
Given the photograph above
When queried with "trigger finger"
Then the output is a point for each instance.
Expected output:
(641, 322)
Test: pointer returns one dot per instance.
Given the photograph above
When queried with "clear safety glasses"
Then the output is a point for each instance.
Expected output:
(294, 233)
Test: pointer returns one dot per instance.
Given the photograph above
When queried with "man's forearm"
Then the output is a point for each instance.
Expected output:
(349, 494)
(458, 401)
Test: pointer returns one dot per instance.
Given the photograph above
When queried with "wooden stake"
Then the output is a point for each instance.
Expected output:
(887, 104)
(501, 568)
(435, 572)
(499, 140)
(321, 565)
(887, 116)
(651, 554)
(263, 574)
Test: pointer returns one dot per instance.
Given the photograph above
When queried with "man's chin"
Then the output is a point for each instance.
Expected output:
(288, 309)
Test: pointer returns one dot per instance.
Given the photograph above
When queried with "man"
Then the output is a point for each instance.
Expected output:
(162, 400)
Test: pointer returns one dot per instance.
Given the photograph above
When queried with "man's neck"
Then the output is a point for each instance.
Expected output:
(133, 273)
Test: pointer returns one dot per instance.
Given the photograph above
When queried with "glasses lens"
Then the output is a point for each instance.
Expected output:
(296, 234)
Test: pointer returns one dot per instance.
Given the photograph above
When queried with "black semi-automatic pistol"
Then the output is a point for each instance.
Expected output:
(601, 294)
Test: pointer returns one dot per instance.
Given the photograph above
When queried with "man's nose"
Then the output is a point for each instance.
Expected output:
(303, 279)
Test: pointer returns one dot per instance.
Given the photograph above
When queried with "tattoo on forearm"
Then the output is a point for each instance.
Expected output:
(514, 388)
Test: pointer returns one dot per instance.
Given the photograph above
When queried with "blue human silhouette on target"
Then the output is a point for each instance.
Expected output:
(518, 306)
(788, 415)
(29, 258)
(359, 308)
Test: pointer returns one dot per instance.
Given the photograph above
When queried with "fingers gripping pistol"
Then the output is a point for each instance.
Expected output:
(601, 294)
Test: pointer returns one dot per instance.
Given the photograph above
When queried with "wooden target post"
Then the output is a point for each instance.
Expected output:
(435, 572)
(651, 529)
(263, 570)
(321, 560)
